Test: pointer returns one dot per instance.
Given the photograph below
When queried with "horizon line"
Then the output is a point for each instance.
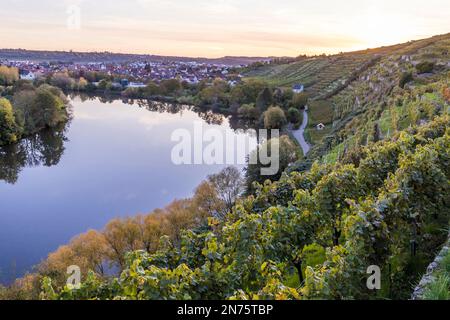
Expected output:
(226, 56)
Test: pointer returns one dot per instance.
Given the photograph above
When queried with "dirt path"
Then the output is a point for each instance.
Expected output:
(300, 134)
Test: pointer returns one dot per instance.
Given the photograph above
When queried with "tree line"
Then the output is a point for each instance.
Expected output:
(26, 108)
(248, 99)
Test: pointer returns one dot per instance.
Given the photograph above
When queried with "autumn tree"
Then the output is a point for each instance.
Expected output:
(228, 184)
(122, 236)
(8, 75)
(206, 200)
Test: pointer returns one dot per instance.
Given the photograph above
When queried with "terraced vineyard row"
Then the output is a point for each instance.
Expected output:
(320, 75)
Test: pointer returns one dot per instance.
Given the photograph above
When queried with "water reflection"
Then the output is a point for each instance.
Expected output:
(42, 149)
(47, 147)
(113, 160)
(210, 117)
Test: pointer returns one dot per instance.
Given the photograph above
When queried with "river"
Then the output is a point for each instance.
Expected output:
(112, 160)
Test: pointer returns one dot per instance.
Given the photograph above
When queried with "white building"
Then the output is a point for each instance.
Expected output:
(298, 88)
(28, 76)
(136, 85)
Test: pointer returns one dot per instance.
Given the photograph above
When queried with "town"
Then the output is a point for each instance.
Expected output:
(131, 74)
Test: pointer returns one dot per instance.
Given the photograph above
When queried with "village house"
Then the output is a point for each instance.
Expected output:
(298, 88)
(27, 75)
(320, 127)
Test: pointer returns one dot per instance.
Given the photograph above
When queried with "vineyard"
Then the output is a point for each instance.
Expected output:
(320, 75)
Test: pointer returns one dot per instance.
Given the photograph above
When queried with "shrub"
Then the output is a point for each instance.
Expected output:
(248, 111)
(425, 67)
(405, 78)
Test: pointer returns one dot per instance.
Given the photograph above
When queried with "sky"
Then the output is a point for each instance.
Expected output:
(216, 28)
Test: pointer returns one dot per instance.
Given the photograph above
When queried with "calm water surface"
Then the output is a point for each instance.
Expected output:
(113, 159)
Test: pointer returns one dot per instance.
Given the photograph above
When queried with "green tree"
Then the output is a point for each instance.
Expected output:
(274, 118)
(288, 154)
(9, 130)
(294, 115)
(48, 108)
(248, 112)
(405, 78)
(264, 99)
(300, 100)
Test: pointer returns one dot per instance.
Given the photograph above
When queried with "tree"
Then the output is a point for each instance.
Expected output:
(48, 108)
(264, 99)
(170, 87)
(8, 75)
(206, 200)
(291, 224)
(274, 118)
(215, 95)
(9, 130)
(294, 115)
(62, 80)
(152, 89)
(228, 184)
(288, 154)
(299, 100)
(122, 236)
(446, 93)
(82, 84)
(248, 112)
(405, 78)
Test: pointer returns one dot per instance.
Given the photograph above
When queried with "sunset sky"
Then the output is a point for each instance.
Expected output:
(214, 28)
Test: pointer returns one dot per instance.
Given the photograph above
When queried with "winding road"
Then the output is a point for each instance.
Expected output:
(300, 134)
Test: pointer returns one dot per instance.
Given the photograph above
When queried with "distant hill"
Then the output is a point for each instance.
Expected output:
(108, 57)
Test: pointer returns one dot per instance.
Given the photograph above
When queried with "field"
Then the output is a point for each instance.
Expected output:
(320, 111)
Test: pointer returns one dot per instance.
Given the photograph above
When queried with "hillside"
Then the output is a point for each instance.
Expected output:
(110, 57)
(367, 95)
(324, 75)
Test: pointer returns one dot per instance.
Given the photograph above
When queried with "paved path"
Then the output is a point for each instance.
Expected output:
(300, 134)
